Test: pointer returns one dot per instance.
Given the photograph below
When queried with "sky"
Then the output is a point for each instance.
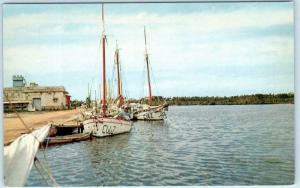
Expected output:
(196, 49)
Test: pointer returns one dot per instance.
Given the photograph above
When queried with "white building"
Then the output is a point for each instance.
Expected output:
(34, 97)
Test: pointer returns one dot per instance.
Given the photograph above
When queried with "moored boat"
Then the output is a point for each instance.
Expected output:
(103, 125)
(106, 126)
(152, 113)
(67, 138)
(147, 111)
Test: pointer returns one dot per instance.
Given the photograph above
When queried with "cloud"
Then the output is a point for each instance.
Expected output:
(67, 42)
(53, 23)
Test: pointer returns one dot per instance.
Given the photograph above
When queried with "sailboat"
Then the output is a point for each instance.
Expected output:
(147, 111)
(120, 98)
(19, 156)
(116, 105)
(102, 125)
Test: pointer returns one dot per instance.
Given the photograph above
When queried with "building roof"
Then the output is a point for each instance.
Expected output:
(16, 102)
(33, 89)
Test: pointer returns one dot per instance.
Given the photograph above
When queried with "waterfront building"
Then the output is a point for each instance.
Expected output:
(32, 97)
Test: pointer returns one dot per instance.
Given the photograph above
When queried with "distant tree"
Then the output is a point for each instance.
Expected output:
(76, 103)
(233, 100)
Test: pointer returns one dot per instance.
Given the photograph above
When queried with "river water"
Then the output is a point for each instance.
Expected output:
(196, 145)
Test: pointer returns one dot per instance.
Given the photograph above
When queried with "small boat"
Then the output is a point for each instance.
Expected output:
(19, 156)
(67, 138)
(147, 111)
(102, 125)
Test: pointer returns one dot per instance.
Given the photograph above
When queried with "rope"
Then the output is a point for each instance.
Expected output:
(155, 82)
(40, 172)
(143, 80)
(20, 118)
(44, 153)
(30, 132)
(47, 144)
(124, 84)
(38, 162)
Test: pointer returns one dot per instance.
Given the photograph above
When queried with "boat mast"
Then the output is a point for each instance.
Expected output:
(104, 68)
(118, 69)
(148, 73)
(96, 100)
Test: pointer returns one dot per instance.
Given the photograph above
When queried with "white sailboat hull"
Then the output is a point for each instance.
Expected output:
(101, 127)
(19, 156)
(151, 115)
(147, 112)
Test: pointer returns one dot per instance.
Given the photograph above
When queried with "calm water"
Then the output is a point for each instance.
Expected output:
(197, 145)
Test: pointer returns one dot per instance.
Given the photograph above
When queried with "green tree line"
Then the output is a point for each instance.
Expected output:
(283, 98)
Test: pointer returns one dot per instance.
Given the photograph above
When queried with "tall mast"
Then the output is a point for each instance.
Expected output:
(104, 68)
(95, 100)
(148, 73)
(88, 97)
(117, 59)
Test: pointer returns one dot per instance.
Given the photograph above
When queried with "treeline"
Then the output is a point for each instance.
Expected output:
(283, 98)
(76, 103)
(156, 100)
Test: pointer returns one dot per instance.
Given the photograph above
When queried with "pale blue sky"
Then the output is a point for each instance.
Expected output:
(196, 49)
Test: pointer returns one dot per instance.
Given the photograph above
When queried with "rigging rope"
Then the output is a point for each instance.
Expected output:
(155, 83)
(40, 172)
(143, 79)
(124, 85)
(48, 173)
(114, 79)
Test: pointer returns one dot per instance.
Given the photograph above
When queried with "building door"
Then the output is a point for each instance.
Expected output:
(37, 104)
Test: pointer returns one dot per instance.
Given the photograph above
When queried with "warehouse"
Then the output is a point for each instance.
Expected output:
(32, 97)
